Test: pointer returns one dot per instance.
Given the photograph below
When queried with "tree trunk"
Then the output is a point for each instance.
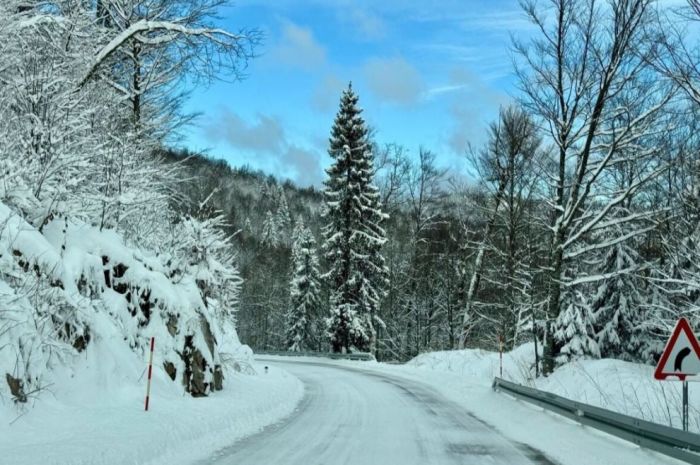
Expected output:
(136, 101)
(478, 264)
(553, 299)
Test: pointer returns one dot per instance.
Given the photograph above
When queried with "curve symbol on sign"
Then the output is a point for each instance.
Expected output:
(678, 363)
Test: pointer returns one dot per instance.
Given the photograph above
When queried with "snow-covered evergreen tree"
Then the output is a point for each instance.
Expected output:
(619, 306)
(574, 328)
(304, 291)
(207, 254)
(353, 235)
(269, 236)
(282, 216)
(299, 228)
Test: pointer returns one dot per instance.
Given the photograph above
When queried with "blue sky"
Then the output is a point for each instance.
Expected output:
(429, 73)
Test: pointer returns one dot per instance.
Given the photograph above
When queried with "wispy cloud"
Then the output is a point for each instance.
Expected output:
(498, 21)
(453, 51)
(464, 81)
(446, 89)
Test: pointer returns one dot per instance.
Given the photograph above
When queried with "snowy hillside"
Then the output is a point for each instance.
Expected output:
(624, 387)
(70, 291)
(78, 308)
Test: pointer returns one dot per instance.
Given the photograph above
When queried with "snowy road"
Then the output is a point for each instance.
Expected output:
(355, 416)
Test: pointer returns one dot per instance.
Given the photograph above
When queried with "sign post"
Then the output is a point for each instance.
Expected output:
(685, 405)
(500, 354)
(680, 360)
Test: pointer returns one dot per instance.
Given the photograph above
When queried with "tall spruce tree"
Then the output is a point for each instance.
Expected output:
(304, 291)
(353, 235)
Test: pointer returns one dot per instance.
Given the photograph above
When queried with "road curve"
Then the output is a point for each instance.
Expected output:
(351, 416)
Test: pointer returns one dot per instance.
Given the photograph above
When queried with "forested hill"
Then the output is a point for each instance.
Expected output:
(425, 253)
(261, 212)
(241, 193)
(465, 264)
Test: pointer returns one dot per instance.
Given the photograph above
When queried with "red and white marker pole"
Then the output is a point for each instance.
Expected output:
(150, 372)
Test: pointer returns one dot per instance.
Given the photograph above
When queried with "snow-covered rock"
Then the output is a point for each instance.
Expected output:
(69, 291)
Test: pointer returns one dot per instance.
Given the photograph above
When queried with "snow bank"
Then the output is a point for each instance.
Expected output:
(88, 426)
(480, 366)
(78, 306)
(624, 387)
(616, 385)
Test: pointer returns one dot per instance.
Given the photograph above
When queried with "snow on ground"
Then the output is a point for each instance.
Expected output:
(104, 423)
(78, 306)
(465, 377)
(352, 416)
(624, 387)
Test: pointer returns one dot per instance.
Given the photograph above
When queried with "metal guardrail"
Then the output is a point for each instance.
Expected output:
(669, 441)
(361, 356)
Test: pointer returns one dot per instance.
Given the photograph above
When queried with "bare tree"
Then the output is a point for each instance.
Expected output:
(586, 80)
(152, 44)
(506, 167)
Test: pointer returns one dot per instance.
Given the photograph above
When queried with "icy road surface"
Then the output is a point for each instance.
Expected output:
(351, 416)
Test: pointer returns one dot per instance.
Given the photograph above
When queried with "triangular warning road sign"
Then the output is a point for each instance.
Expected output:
(681, 356)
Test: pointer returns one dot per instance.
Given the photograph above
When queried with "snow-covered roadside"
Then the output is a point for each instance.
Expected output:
(109, 426)
(561, 440)
(616, 385)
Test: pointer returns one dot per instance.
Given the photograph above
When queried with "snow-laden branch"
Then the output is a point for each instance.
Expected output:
(172, 30)
(607, 244)
(608, 207)
(599, 277)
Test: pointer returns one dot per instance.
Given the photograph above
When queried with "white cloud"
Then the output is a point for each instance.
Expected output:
(264, 134)
(305, 165)
(394, 80)
(474, 103)
(263, 143)
(298, 47)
